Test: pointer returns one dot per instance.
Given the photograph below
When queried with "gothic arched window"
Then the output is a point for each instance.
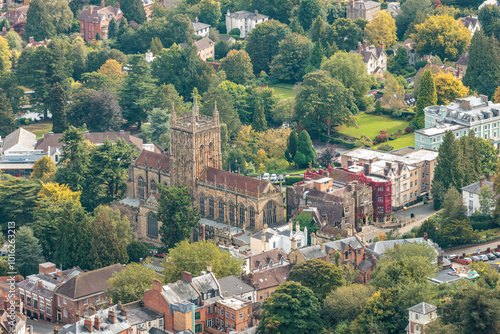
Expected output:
(152, 226)
(252, 217)
(202, 205)
(153, 187)
(232, 213)
(141, 187)
(221, 210)
(270, 213)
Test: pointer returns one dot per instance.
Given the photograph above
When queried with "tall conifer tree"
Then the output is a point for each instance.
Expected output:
(7, 121)
(259, 118)
(39, 24)
(291, 149)
(426, 97)
(57, 107)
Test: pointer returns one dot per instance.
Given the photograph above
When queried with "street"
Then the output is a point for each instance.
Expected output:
(42, 327)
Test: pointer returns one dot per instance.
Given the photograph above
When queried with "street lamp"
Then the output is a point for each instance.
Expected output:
(404, 209)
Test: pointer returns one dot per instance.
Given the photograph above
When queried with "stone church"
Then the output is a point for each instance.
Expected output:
(195, 160)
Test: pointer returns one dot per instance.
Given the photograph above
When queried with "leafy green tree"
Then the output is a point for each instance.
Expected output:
(483, 66)
(225, 105)
(291, 308)
(7, 120)
(18, 197)
(456, 232)
(486, 201)
(120, 223)
(179, 214)
(350, 70)
(263, 44)
(159, 130)
(101, 112)
(279, 10)
(156, 46)
(137, 91)
(307, 12)
(136, 251)
(345, 34)
(426, 97)
(401, 60)
(291, 148)
(57, 108)
(61, 15)
(410, 11)
(28, 251)
(44, 169)
(323, 103)
(238, 67)
(133, 10)
(305, 147)
(39, 23)
(453, 206)
(129, 284)
(346, 303)
(289, 65)
(317, 55)
(448, 169)
(259, 118)
(105, 247)
(319, 276)
(112, 28)
(210, 12)
(267, 97)
(196, 257)
(5, 55)
(488, 15)
(474, 310)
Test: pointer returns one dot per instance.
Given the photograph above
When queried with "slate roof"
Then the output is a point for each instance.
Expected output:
(371, 4)
(423, 308)
(364, 265)
(234, 180)
(270, 277)
(99, 14)
(107, 327)
(469, 21)
(463, 60)
(381, 247)
(22, 137)
(340, 245)
(370, 50)
(154, 160)
(197, 26)
(475, 187)
(52, 140)
(89, 282)
(137, 314)
(232, 286)
(244, 14)
(227, 38)
(204, 43)
(184, 291)
(313, 252)
(265, 258)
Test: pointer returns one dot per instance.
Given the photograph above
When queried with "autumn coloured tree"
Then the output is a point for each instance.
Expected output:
(426, 97)
(442, 36)
(44, 169)
(112, 69)
(238, 67)
(382, 29)
(448, 88)
(5, 55)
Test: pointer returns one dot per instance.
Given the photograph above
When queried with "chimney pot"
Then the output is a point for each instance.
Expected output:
(40, 285)
(112, 316)
(97, 320)
(88, 324)
(103, 4)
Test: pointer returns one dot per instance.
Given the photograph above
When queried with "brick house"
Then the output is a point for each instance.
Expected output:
(83, 294)
(36, 292)
(148, 8)
(17, 15)
(95, 20)
(420, 316)
(266, 281)
(265, 260)
(195, 303)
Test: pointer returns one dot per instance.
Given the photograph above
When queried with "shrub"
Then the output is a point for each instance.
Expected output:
(408, 129)
(235, 32)
(290, 180)
(391, 138)
(385, 148)
(383, 132)
(382, 138)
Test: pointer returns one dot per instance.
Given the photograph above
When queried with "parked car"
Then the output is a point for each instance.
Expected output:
(274, 178)
(483, 257)
(281, 178)
(467, 260)
(266, 176)
(491, 256)
(497, 254)
(160, 256)
(475, 259)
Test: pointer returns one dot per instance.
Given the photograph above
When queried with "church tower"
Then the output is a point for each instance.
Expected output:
(194, 146)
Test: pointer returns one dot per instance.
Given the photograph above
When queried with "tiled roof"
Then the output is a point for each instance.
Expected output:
(234, 180)
(184, 291)
(423, 308)
(270, 277)
(154, 160)
(464, 59)
(340, 245)
(204, 43)
(364, 266)
(53, 140)
(233, 286)
(99, 14)
(313, 252)
(22, 137)
(89, 282)
(265, 258)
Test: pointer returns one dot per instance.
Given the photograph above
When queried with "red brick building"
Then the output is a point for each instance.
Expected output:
(95, 20)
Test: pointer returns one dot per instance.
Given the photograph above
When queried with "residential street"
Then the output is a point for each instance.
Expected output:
(42, 327)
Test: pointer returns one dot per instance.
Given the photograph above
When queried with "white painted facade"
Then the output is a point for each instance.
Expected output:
(244, 20)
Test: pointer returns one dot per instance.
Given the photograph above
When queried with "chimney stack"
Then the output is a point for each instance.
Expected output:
(91, 309)
(297, 227)
(364, 45)
(157, 285)
(368, 169)
(117, 5)
(112, 316)
(77, 316)
(256, 12)
(290, 224)
(381, 45)
(196, 19)
(209, 268)
(40, 285)
(97, 323)
(31, 39)
(88, 324)
(186, 276)
(103, 4)
(294, 244)
(91, 10)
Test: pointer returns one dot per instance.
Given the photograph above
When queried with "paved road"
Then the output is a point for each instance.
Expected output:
(42, 327)
(473, 249)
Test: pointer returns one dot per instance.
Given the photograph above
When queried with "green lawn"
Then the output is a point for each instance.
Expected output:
(370, 126)
(493, 231)
(400, 142)
(284, 91)
(39, 129)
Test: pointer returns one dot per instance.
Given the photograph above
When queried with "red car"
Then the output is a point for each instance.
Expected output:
(161, 256)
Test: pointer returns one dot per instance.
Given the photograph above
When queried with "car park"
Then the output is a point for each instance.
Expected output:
(491, 256)
(274, 178)
(483, 257)
(467, 260)
(475, 259)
